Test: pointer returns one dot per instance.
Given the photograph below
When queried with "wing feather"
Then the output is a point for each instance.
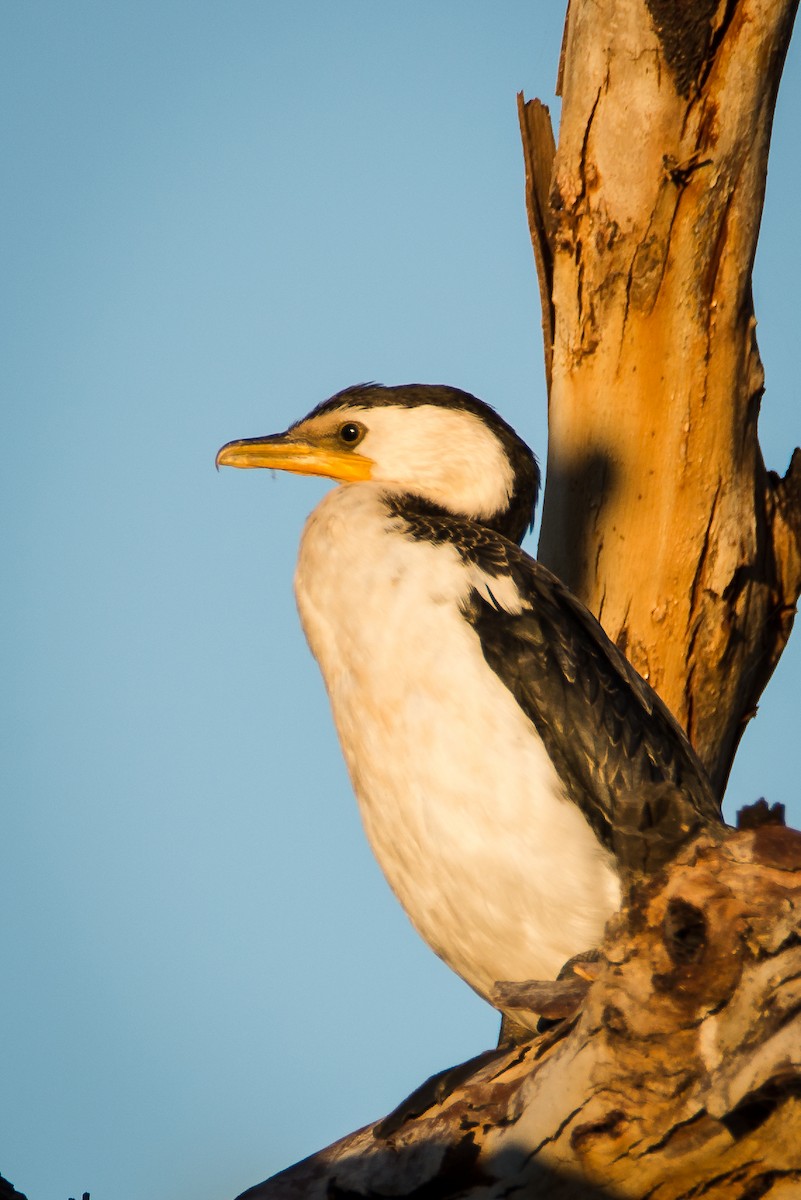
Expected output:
(621, 754)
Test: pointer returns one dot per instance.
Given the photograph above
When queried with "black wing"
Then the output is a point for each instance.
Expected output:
(623, 757)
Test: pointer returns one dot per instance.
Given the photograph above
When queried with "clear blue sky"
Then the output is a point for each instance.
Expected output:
(213, 216)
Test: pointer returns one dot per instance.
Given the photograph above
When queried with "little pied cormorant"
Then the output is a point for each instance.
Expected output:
(512, 769)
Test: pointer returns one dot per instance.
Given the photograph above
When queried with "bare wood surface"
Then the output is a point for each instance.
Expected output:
(680, 1077)
(539, 150)
(658, 510)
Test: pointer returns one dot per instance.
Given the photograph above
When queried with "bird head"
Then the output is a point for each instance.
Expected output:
(434, 442)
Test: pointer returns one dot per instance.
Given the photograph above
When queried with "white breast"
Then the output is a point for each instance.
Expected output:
(497, 869)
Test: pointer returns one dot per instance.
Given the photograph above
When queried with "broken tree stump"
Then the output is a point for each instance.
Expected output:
(679, 1077)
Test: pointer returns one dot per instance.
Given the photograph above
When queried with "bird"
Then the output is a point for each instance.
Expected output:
(513, 771)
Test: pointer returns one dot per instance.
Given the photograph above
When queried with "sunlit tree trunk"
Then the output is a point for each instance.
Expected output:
(658, 509)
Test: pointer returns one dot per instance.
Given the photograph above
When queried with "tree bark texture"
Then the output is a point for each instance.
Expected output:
(658, 510)
(680, 1077)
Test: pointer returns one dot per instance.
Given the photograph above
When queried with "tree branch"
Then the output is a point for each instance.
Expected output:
(658, 510)
(682, 1070)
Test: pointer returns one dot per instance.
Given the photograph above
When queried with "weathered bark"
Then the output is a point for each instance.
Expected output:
(658, 510)
(538, 152)
(682, 1072)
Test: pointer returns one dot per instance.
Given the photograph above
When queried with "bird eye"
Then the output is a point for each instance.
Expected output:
(350, 433)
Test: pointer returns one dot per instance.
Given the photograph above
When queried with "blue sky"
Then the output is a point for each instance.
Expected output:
(213, 216)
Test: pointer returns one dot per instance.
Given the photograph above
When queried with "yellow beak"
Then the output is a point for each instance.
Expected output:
(282, 452)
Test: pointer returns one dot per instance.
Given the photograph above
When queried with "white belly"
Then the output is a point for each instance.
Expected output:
(498, 871)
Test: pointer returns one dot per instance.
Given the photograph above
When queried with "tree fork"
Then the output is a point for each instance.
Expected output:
(658, 510)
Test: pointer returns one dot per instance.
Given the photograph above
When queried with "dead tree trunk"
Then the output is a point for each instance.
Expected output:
(680, 1077)
(681, 1074)
(658, 510)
